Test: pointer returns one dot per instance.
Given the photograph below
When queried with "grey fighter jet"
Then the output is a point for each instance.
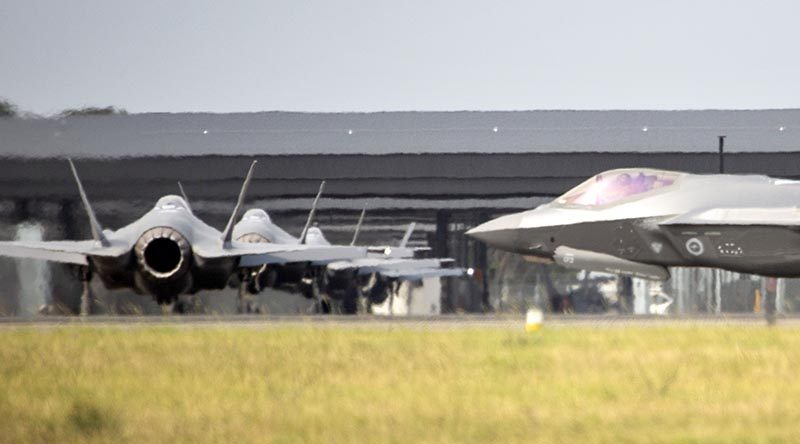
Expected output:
(639, 221)
(329, 276)
(299, 276)
(378, 274)
(165, 253)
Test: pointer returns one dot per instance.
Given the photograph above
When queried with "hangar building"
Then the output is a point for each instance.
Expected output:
(445, 170)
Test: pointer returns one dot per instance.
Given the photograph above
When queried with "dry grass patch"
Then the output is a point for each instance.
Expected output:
(294, 384)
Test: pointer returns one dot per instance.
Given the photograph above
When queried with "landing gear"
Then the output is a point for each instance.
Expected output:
(180, 307)
(248, 287)
(310, 289)
(323, 304)
(86, 293)
(186, 304)
(351, 299)
(364, 306)
(378, 290)
(175, 304)
(162, 299)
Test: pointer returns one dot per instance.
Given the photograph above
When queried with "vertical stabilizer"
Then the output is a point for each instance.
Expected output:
(407, 236)
(311, 213)
(228, 233)
(183, 194)
(97, 230)
(358, 226)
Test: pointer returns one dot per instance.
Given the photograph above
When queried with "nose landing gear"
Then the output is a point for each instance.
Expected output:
(248, 288)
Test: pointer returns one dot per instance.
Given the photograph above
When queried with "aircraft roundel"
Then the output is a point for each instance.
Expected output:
(694, 246)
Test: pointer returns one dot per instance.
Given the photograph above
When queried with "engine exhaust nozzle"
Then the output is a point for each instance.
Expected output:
(163, 253)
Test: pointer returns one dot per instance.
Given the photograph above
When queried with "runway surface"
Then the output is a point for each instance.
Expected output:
(369, 321)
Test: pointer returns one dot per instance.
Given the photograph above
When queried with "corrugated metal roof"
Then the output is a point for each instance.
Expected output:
(265, 133)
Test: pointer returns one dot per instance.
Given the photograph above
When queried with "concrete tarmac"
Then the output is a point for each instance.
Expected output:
(512, 322)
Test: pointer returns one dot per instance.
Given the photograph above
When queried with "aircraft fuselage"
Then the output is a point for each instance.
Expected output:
(748, 224)
(765, 250)
(164, 254)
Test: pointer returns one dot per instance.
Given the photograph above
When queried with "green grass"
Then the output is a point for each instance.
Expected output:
(296, 384)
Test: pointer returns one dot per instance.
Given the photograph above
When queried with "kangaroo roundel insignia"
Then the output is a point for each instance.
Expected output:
(694, 246)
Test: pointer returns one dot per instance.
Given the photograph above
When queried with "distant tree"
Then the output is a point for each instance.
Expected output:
(92, 111)
(7, 109)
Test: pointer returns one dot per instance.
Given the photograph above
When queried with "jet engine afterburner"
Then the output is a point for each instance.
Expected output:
(163, 253)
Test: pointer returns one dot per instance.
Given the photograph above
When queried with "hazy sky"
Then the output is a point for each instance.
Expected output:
(399, 55)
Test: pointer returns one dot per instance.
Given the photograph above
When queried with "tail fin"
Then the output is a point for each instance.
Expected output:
(407, 236)
(185, 197)
(97, 230)
(227, 235)
(358, 226)
(311, 213)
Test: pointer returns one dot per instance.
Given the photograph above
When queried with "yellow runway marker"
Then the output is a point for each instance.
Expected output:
(533, 320)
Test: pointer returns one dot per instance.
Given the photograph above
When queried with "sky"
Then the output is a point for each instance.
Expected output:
(373, 55)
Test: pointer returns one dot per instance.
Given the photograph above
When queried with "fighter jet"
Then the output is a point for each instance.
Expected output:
(302, 277)
(330, 277)
(165, 253)
(378, 274)
(637, 222)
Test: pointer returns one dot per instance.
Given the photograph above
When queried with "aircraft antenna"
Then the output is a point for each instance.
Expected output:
(97, 230)
(311, 213)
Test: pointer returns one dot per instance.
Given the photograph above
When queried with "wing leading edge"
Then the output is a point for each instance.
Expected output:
(398, 267)
(69, 252)
(413, 275)
(256, 254)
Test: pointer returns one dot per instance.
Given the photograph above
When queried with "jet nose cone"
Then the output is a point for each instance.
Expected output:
(499, 233)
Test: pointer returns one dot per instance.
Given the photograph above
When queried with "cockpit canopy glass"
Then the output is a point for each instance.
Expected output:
(613, 186)
(171, 203)
(315, 237)
(256, 214)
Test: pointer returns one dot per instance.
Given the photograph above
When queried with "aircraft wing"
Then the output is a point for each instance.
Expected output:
(396, 252)
(70, 252)
(417, 274)
(379, 265)
(256, 254)
(785, 216)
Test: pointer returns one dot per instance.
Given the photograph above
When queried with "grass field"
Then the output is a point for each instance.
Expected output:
(303, 384)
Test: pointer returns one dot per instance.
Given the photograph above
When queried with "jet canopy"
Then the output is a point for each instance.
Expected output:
(617, 185)
(315, 237)
(256, 214)
(171, 203)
